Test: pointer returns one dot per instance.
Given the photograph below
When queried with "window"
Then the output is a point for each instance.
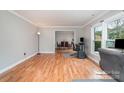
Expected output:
(104, 34)
(115, 30)
(97, 37)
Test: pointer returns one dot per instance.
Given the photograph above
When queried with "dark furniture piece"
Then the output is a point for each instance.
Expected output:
(81, 53)
(112, 62)
(80, 49)
(66, 44)
(81, 39)
(119, 44)
(58, 45)
(62, 43)
(75, 48)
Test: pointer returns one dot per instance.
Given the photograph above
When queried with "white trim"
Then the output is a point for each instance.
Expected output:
(96, 53)
(40, 26)
(47, 52)
(104, 35)
(61, 26)
(29, 21)
(92, 37)
(13, 65)
(22, 17)
(97, 17)
(115, 17)
(96, 61)
(96, 25)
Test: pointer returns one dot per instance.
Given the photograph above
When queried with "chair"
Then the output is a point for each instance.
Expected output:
(75, 48)
(66, 44)
(112, 62)
(58, 45)
(62, 43)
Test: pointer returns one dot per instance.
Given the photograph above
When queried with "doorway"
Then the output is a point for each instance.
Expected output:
(63, 40)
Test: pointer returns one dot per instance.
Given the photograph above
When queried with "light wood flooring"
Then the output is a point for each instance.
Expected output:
(53, 68)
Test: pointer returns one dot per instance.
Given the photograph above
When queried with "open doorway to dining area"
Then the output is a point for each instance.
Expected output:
(64, 41)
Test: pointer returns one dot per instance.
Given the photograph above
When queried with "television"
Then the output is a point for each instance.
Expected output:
(119, 43)
(81, 39)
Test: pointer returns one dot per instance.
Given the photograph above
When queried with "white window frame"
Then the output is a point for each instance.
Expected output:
(104, 31)
(113, 18)
(92, 38)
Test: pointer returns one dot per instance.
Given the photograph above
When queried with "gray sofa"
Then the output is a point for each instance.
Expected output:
(112, 62)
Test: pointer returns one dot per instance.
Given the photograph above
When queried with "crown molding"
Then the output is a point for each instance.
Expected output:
(97, 17)
(22, 17)
(60, 27)
(29, 21)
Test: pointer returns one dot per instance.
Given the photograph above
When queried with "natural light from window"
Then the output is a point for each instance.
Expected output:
(107, 32)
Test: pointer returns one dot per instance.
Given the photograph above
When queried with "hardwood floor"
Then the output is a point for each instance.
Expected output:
(53, 68)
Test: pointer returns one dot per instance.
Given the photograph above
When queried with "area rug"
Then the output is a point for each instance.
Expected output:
(69, 55)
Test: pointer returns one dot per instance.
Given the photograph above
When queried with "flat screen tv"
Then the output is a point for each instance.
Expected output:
(119, 43)
(81, 39)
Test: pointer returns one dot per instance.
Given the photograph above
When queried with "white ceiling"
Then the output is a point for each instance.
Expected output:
(60, 17)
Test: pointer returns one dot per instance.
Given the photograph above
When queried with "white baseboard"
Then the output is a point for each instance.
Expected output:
(93, 59)
(47, 52)
(13, 65)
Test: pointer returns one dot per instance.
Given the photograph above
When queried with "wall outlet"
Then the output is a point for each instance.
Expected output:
(24, 54)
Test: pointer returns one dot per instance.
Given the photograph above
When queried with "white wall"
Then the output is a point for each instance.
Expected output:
(47, 41)
(16, 37)
(87, 34)
(64, 36)
(47, 37)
